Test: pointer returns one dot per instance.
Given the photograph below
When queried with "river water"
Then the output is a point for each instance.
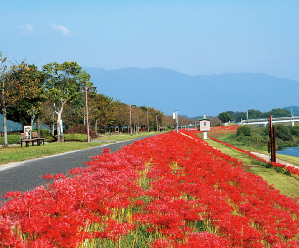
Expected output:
(291, 151)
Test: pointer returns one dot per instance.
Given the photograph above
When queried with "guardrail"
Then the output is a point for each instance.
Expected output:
(266, 120)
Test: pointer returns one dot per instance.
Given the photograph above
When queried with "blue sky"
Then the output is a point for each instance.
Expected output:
(192, 37)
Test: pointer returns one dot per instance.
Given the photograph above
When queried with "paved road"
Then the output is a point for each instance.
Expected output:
(25, 176)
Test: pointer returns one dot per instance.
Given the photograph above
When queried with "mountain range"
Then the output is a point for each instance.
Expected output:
(169, 90)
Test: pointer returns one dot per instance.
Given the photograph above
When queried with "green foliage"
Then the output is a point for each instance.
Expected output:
(44, 133)
(65, 82)
(283, 133)
(50, 139)
(225, 117)
(11, 139)
(75, 137)
(257, 114)
(295, 131)
(259, 137)
(244, 130)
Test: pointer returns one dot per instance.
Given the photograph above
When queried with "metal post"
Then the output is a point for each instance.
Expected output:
(90, 89)
(274, 148)
(177, 122)
(272, 140)
(130, 121)
(86, 103)
(157, 122)
(147, 121)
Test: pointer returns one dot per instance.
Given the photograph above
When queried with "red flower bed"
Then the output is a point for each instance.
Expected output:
(171, 190)
(224, 128)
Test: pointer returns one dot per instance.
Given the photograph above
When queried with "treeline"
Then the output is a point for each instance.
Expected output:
(257, 114)
(56, 97)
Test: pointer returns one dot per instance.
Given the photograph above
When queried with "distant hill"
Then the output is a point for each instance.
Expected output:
(11, 126)
(169, 90)
(294, 110)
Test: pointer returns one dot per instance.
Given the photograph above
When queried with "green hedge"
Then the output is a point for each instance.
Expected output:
(11, 139)
(50, 139)
(75, 137)
(43, 132)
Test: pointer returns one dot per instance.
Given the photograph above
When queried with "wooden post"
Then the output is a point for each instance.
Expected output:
(274, 148)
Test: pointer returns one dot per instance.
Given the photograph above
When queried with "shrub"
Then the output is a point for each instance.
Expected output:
(75, 137)
(11, 139)
(283, 133)
(244, 130)
(51, 139)
(80, 129)
(295, 131)
(43, 132)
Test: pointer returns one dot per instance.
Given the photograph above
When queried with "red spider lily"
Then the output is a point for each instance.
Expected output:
(182, 191)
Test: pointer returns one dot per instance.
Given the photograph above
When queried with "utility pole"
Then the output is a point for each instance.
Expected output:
(271, 146)
(177, 121)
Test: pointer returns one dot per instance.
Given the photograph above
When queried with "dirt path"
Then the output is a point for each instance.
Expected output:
(267, 158)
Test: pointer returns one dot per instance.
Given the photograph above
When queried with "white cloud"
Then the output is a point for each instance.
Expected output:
(63, 30)
(28, 29)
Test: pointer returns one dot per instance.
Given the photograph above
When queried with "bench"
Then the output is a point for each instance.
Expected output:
(25, 140)
(37, 139)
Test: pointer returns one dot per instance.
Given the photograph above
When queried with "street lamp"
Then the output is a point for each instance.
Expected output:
(91, 90)
(147, 120)
(131, 118)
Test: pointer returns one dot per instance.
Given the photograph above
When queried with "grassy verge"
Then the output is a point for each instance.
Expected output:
(285, 184)
(226, 137)
(18, 153)
(121, 137)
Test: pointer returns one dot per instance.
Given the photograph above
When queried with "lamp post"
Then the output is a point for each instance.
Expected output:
(157, 122)
(91, 90)
(147, 120)
(177, 122)
(131, 119)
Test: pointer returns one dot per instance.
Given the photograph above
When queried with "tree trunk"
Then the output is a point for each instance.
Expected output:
(31, 123)
(52, 129)
(96, 127)
(4, 117)
(60, 138)
(4, 126)
(38, 126)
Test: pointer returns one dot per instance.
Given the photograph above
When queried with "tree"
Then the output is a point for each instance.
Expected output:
(280, 113)
(215, 121)
(4, 86)
(17, 85)
(64, 83)
(48, 117)
(101, 111)
(225, 117)
(122, 114)
(29, 108)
